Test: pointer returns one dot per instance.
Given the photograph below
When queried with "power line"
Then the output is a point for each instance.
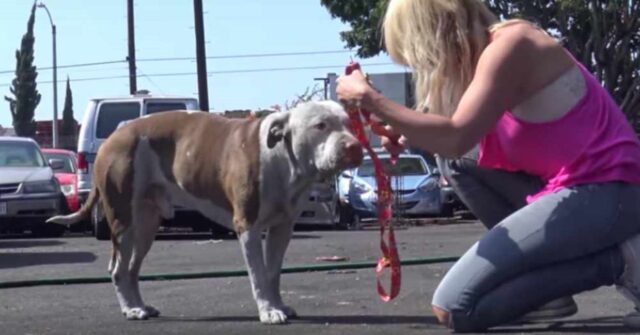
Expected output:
(263, 55)
(169, 59)
(73, 65)
(209, 73)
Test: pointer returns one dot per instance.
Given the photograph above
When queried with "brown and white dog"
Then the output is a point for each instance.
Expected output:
(246, 174)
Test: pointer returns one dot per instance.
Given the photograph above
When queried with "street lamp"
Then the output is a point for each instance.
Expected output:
(54, 128)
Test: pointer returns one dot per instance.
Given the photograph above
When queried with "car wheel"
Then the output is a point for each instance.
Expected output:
(356, 223)
(48, 230)
(101, 229)
(343, 217)
(446, 210)
(219, 231)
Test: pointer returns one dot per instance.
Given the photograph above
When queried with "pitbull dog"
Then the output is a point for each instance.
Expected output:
(245, 174)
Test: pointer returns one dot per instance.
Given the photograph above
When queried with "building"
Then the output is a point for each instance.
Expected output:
(7, 131)
(395, 86)
(44, 136)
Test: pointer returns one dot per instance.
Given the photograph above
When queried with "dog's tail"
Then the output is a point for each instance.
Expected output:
(81, 214)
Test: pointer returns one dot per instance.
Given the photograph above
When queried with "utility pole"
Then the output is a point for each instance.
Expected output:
(54, 124)
(132, 48)
(201, 58)
(325, 83)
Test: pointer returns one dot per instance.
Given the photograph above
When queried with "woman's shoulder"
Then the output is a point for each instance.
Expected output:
(518, 34)
(526, 44)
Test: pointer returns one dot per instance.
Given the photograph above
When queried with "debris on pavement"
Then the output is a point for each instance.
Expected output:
(341, 272)
(208, 242)
(332, 259)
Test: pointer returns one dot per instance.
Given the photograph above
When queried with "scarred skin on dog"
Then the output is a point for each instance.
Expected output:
(246, 174)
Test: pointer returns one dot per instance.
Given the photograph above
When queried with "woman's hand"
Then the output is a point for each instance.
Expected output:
(352, 89)
(394, 148)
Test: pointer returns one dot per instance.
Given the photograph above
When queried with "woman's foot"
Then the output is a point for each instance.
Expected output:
(555, 309)
(442, 316)
(629, 282)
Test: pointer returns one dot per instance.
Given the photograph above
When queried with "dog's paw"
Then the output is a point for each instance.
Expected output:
(273, 316)
(136, 313)
(151, 311)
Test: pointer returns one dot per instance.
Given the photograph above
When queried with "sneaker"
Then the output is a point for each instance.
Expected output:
(629, 282)
(555, 309)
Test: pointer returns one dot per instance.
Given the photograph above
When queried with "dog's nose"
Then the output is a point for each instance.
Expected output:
(353, 153)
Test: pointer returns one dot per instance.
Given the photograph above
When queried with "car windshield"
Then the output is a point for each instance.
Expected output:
(406, 166)
(68, 162)
(20, 154)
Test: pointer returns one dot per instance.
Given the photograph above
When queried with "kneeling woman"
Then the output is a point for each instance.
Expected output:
(558, 175)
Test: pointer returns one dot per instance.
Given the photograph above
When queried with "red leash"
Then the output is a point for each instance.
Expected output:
(390, 259)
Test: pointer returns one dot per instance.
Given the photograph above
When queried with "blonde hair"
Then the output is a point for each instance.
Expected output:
(441, 40)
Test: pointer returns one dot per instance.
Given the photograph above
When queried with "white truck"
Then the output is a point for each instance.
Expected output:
(101, 117)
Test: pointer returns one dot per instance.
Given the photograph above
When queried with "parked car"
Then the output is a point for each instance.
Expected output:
(418, 196)
(345, 211)
(66, 176)
(452, 203)
(320, 206)
(29, 191)
(102, 116)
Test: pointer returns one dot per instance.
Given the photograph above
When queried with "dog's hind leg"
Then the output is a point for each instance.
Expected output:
(145, 229)
(278, 238)
(130, 304)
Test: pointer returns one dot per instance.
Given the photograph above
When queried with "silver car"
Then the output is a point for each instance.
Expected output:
(29, 191)
(319, 206)
(413, 182)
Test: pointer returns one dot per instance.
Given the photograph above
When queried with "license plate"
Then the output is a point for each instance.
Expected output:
(3, 208)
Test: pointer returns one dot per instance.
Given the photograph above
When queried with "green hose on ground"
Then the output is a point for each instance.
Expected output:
(220, 274)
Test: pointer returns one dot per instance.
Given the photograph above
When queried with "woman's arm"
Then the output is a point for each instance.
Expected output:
(500, 83)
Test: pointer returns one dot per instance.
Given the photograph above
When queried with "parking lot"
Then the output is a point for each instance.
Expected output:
(328, 302)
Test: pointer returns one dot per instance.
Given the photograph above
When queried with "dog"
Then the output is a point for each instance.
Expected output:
(247, 174)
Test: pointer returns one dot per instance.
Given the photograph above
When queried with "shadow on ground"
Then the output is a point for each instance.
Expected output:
(329, 319)
(22, 259)
(15, 244)
(600, 325)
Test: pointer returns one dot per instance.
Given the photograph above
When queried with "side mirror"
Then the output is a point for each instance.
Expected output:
(56, 164)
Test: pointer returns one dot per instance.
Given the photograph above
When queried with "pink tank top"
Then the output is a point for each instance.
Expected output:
(592, 143)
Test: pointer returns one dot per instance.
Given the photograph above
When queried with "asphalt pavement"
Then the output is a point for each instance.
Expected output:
(329, 302)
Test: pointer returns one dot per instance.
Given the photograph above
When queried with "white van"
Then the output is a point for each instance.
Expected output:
(102, 116)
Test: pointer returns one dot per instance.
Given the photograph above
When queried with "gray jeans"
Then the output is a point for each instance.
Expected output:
(562, 244)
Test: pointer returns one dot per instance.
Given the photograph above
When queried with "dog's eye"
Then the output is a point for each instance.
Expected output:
(321, 126)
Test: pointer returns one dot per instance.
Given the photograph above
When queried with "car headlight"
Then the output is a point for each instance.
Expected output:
(428, 185)
(40, 187)
(67, 190)
(361, 187)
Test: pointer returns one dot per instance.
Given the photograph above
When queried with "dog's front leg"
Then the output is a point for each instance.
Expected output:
(251, 244)
(278, 239)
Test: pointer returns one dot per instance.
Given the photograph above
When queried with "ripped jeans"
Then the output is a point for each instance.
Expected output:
(561, 244)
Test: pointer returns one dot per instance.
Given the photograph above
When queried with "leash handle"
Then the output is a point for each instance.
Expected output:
(376, 127)
(390, 259)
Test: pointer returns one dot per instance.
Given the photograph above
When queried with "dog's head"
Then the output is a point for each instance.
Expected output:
(318, 137)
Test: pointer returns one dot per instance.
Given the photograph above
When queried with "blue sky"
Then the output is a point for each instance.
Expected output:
(96, 31)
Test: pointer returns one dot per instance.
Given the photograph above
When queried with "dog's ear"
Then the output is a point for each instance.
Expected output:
(278, 128)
